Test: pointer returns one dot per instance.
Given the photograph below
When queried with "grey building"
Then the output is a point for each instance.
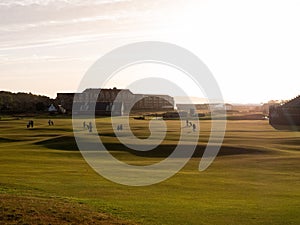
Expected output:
(113, 101)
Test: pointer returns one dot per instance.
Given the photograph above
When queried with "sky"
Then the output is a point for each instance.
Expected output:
(251, 47)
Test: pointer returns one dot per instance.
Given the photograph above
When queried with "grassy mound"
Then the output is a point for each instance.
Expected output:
(37, 210)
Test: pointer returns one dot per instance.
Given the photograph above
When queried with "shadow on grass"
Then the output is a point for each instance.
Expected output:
(290, 127)
(7, 140)
(293, 142)
(68, 143)
(47, 129)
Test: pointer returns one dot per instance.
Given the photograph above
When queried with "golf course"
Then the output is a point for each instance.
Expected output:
(255, 179)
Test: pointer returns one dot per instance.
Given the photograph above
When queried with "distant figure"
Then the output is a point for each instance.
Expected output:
(84, 124)
(194, 127)
(120, 127)
(187, 123)
(30, 124)
(90, 127)
(50, 122)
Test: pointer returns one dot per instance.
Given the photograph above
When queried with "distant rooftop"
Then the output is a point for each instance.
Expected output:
(294, 103)
(99, 89)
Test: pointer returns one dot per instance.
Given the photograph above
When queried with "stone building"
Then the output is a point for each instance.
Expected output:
(287, 114)
(154, 103)
(113, 101)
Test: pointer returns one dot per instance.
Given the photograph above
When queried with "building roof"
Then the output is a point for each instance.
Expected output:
(294, 103)
(156, 95)
(97, 90)
(70, 94)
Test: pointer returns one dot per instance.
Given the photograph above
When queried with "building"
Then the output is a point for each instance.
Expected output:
(52, 109)
(65, 100)
(203, 108)
(108, 101)
(113, 101)
(154, 103)
(287, 114)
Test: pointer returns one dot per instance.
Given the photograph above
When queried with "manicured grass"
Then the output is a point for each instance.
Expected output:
(254, 180)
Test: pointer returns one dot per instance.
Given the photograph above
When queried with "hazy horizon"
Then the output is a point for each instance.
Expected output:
(177, 99)
(252, 48)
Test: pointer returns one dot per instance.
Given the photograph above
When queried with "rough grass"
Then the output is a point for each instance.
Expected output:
(16, 209)
(44, 179)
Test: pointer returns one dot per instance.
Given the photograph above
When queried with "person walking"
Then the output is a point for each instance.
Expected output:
(90, 127)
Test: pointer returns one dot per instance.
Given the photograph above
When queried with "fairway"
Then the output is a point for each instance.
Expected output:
(254, 180)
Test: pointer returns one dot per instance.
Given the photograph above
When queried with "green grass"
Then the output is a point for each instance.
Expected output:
(254, 180)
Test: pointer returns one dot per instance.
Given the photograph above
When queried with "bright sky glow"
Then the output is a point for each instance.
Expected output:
(251, 47)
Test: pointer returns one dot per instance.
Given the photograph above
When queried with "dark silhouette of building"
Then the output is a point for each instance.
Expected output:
(286, 115)
(113, 102)
(65, 100)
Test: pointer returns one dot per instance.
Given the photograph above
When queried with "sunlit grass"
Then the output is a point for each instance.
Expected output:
(256, 182)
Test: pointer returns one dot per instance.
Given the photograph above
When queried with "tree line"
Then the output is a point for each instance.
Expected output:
(23, 103)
